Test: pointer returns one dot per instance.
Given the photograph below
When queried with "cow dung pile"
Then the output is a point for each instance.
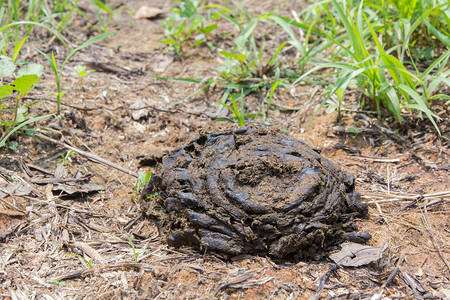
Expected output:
(253, 191)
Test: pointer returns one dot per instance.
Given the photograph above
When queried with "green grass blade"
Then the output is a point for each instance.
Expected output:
(420, 20)
(349, 28)
(18, 47)
(445, 39)
(209, 82)
(420, 105)
(3, 141)
(442, 61)
(50, 61)
(86, 44)
(288, 29)
(36, 24)
(437, 81)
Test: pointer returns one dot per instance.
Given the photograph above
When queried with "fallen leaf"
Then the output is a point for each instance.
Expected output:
(356, 255)
(74, 189)
(146, 12)
(161, 62)
(18, 189)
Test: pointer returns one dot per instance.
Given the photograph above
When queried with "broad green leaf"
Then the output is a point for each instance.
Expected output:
(25, 83)
(228, 55)
(187, 9)
(209, 28)
(241, 57)
(31, 68)
(168, 41)
(199, 38)
(21, 114)
(5, 90)
(7, 67)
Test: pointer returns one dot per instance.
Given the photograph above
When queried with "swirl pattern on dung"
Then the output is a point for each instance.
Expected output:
(253, 191)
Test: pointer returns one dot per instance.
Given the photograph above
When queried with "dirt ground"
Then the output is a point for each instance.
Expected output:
(125, 115)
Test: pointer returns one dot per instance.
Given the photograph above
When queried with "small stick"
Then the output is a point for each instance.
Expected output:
(391, 277)
(432, 203)
(375, 159)
(433, 238)
(88, 155)
(406, 197)
(322, 282)
(388, 180)
(13, 207)
(72, 208)
(84, 272)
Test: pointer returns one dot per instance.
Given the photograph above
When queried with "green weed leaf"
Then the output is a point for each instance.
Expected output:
(7, 67)
(5, 90)
(209, 28)
(25, 83)
(31, 68)
(3, 141)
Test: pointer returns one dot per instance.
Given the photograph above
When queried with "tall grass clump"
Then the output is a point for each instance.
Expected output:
(384, 75)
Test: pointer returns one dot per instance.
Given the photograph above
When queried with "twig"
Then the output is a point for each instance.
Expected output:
(13, 207)
(432, 203)
(400, 197)
(375, 159)
(322, 282)
(6, 171)
(391, 277)
(433, 238)
(84, 272)
(88, 155)
(72, 208)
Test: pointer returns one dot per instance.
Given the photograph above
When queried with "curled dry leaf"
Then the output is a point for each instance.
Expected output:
(146, 12)
(356, 255)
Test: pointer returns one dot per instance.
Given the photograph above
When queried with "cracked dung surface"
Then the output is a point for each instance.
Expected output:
(253, 191)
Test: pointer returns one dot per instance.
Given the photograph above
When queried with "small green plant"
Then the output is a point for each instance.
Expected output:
(141, 181)
(67, 161)
(135, 254)
(14, 117)
(185, 24)
(102, 7)
(58, 283)
(59, 72)
(82, 72)
(88, 262)
(239, 115)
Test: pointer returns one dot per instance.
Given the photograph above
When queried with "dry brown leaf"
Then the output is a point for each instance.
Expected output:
(146, 12)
